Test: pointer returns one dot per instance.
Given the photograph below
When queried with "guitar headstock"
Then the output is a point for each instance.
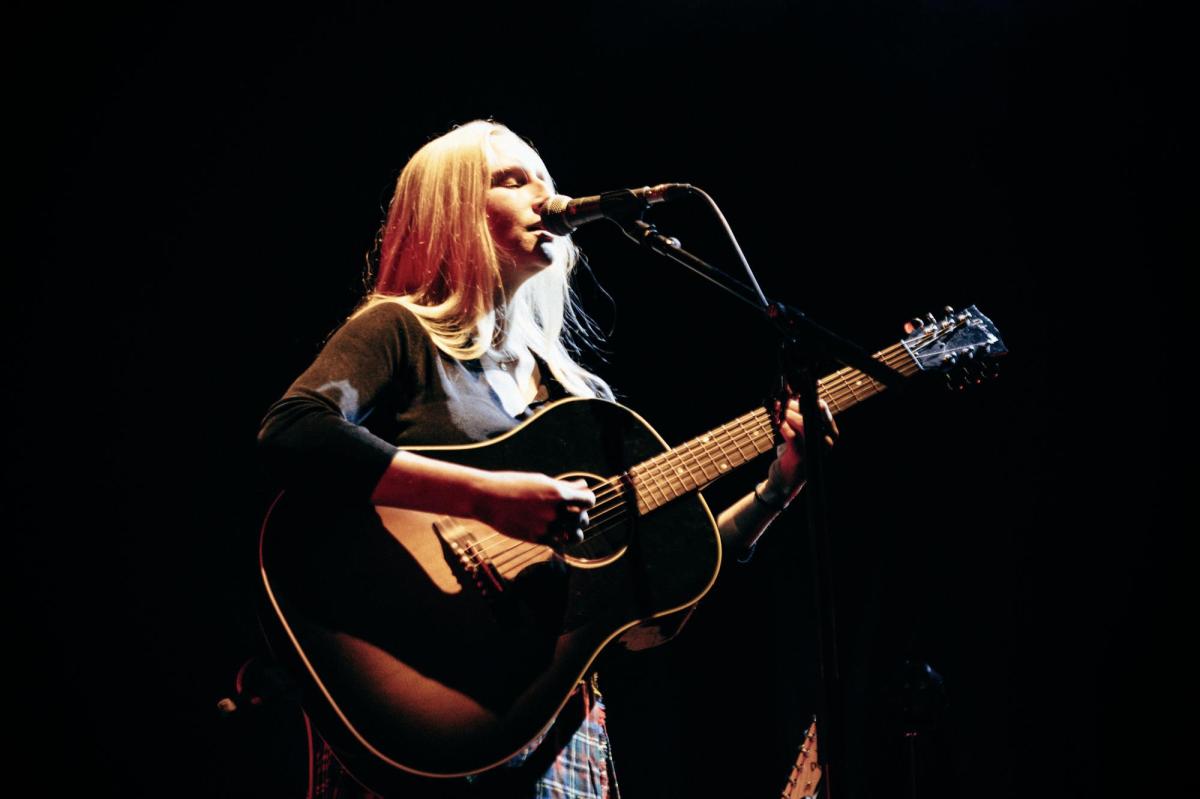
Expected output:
(963, 344)
(806, 770)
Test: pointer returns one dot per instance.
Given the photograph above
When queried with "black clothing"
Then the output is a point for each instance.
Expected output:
(379, 383)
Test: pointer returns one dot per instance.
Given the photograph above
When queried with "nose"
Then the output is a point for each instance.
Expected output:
(541, 195)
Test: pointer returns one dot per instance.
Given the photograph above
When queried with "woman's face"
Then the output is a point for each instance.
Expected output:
(519, 185)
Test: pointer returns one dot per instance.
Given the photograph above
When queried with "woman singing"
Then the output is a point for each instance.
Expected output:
(467, 333)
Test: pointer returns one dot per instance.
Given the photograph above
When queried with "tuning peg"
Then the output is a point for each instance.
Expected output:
(914, 324)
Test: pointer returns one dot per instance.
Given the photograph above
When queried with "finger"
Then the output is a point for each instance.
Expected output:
(578, 493)
(794, 424)
(833, 428)
(567, 528)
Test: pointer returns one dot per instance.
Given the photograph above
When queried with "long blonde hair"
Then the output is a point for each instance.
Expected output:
(437, 258)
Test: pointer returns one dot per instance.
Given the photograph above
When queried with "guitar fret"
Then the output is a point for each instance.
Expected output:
(738, 442)
(664, 470)
(826, 393)
(672, 468)
(639, 481)
(675, 464)
(668, 479)
(655, 490)
(766, 429)
(747, 440)
(844, 374)
(725, 464)
(719, 440)
(694, 461)
(704, 455)
(658, 485)
(653, 484)
(741, 441)
(753, 434)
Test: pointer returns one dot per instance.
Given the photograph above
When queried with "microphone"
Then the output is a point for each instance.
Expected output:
(561, 215)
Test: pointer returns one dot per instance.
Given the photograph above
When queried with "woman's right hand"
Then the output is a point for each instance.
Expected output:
(534, 507)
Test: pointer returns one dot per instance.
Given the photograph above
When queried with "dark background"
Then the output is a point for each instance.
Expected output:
(197, 190)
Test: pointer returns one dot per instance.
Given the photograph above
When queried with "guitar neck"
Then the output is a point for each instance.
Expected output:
(697, 463)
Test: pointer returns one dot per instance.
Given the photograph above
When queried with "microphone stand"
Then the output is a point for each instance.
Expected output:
(802, 344)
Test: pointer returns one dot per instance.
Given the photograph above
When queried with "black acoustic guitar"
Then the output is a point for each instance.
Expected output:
(436, 646)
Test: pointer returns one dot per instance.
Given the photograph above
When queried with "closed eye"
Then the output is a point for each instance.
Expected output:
(510, 178)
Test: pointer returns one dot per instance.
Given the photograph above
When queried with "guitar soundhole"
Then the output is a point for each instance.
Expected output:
(607, 534)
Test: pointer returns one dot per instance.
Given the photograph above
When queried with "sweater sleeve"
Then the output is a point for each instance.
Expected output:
(317, 435)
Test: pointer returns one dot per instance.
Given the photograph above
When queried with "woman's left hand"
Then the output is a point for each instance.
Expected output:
(791, 459)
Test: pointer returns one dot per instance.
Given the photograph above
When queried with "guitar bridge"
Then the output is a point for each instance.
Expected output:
(468, 556)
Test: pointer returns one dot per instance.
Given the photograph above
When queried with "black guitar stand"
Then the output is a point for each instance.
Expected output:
(802, 345)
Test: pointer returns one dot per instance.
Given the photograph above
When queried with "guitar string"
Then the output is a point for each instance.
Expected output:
(603, 519)
(608, 490)
(610, 499)
(612, 513)
(601, 515)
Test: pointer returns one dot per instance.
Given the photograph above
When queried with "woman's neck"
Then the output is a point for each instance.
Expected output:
(505, 340)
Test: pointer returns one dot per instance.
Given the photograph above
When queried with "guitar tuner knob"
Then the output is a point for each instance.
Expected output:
(914, 324)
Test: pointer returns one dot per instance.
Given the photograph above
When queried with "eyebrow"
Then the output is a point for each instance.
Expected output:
(500, 173)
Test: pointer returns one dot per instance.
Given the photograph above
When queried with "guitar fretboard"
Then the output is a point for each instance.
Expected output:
(697, 463)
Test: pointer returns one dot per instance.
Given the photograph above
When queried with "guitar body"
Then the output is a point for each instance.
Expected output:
(421, 651)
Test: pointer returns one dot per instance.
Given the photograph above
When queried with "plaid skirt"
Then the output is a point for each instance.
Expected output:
(573, 760)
